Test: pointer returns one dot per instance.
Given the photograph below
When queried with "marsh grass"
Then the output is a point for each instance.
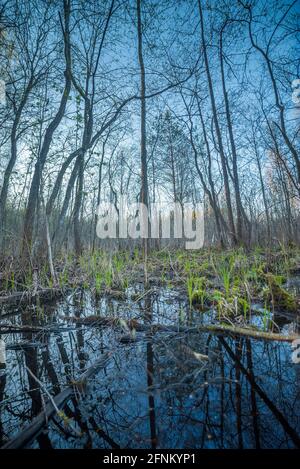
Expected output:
(197, 293)
(225, 281)
(238, 278)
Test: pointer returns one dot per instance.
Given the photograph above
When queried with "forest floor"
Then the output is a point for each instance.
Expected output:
(229, 285)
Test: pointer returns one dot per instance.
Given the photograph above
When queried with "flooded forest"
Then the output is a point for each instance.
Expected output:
(149, 225)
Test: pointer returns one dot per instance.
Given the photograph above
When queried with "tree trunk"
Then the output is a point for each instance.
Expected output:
(144, 175)
(30, 212)
(12, 161)
(218, 132)
(77, 207)
(241, 215)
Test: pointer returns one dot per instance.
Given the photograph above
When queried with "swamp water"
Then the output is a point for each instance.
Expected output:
(167, 390)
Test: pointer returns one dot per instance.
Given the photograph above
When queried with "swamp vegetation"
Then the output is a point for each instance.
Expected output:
(198, 358)
(117, 342)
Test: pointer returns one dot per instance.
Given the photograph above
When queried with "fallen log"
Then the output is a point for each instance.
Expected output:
(12, 328)
(133, 324)
(30, 297)
(249, 332)
(26, 436)
(7, 328)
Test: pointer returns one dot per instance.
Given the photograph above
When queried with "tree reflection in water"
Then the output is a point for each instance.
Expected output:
(157, 392)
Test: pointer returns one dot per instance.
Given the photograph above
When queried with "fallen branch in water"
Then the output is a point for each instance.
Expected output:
(61, 414)
(248, 332)
(11, 328)
(140, 297)
(30, 297)
(24, 437)
(133, 324)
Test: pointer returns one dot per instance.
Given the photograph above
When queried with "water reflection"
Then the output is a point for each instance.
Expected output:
(166, 390)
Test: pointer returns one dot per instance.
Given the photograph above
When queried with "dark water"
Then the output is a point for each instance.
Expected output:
(158, 391)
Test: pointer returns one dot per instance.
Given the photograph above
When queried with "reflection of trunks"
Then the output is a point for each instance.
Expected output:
(2, 93)
(2, 354)
(296, 351)
(176, 386)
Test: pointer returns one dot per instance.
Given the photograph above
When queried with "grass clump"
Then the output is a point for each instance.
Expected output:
(277, 296)
(197, 292)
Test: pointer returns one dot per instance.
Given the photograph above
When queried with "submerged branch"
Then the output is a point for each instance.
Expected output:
(133, 324)
(25, 437)
(28, 297)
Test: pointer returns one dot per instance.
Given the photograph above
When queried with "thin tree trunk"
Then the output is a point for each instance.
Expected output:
(66, 203)
(77, 207)
(218, 132)
(98, 193)
(144, 169)
(12, 161)
(263, 190)
(241, 215)
(30, 213)
(278, 102)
